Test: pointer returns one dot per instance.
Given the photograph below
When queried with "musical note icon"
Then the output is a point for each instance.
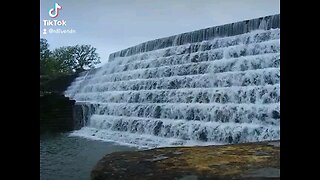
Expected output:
(54, 12)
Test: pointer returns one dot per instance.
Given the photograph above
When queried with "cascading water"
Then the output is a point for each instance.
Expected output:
(213, 86)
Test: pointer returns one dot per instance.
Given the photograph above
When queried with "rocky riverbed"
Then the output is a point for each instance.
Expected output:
(239, 161)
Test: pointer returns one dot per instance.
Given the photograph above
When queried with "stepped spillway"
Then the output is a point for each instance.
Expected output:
(213, 86)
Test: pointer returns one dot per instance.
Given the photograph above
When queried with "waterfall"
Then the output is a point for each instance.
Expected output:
(268, 22)
(217, 85)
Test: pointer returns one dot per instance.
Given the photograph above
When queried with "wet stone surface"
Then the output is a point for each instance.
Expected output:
(249, 161)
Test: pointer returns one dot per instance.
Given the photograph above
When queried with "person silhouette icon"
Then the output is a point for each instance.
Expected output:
(44, 31)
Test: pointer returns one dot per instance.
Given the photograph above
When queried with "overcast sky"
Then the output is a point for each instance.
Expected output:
(113, 25)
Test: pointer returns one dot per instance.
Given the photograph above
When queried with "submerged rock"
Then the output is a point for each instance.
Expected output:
(259, 160)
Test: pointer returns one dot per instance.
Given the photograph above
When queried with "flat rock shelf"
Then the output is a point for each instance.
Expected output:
(260, 160)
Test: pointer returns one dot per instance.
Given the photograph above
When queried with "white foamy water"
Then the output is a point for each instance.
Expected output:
(218, 91)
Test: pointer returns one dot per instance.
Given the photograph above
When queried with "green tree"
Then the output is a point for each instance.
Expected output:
(64, 57)
(52, 68)
(85, 56)
(44, 49)
(44, 54)
(66, 60)
(76, 58)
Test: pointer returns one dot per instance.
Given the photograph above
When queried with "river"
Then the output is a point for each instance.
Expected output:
(71, 158)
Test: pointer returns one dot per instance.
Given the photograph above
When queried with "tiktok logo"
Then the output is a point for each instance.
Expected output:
(56, 26)
(54, 12)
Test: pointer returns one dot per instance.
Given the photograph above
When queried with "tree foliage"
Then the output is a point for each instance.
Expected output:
(64, 57)
(44, 49)
(66, 60)
(85, 56)
(44, 54)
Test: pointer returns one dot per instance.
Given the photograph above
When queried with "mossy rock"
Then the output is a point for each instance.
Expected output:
(259, 160)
